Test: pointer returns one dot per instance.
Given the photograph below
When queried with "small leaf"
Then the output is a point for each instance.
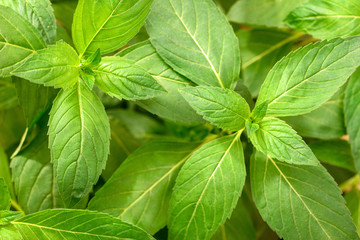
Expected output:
(93, 60)
(79, 134)
(326, 19)
(251, 127)
(121, 78)
(112, 25)
(207, 189)
(66, 224)
(56, 66)
(259, 112)
(279, 140)
(18, 40)
(309, 76)
(299, 202)
(89, 79)
(5, 202)
(222, 107)
(39, 13)
(352, 115)
(197, 41)
(144, 203)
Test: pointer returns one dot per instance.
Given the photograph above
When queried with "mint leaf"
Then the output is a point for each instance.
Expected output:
(56, 66)
(76, 224)
(170, 105)
(113, 24)
(93, 60)
(326, 19)
(325, 122)
(159, 162)
(299, 202)
(33, 179)
(308, 77)
(222, 107)
(122, 79)
(79, 136)
(18, 40)
(35, 99)
(8, 98)
(5, 202)
(196, 41)
(352, 115)
(279, 140)
(251, 127)
(259, 112)
(262, 12)
(208, 187)
(39, 13)
(7, 216)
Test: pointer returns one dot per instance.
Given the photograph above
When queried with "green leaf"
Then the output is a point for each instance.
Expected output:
(353, 203)
(222, 107)
(56, 66)
(259, 112)
(279, 140)
(308, 77)
(325, 122)
(121, 78)
(108, 24)
(251, 127)
(5, 201)
(65, 224)
(335, 152)
(139, 191)
(79, 134)
(122, 142)
(299, 202)
(39, 13)
(196, 41)
(260, 50)
(7, 216)
(207, 189)
(64, 13)
(238, 227)
(9, 232)
(12, 126)
(18, 40)
(8, 97)
(262, 12)
(170, 105)
(35, 99)
(352, 115)
(5, 171)
(326, 19)
(32, 175)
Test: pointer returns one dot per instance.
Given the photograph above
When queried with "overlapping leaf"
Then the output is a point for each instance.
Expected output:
(277, 139)
(326, 19)
(352, 115)
(107, 24)
(207, 189)
(56, 66)
(171, 105)
(121, 78)
(299, 202)
(66, 224)
(18, 40)
(79, 135)
(262, 12)
(39, 13)
(196, 40)
(222, 107)
(33, 178)
(308, 77)
(139, 191)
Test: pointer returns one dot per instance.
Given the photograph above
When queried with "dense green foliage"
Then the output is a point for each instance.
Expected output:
(179, 119)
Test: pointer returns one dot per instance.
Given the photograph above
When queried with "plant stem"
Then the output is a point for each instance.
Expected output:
(16, 206)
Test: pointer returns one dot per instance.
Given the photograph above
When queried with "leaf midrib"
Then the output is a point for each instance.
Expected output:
(198, 45)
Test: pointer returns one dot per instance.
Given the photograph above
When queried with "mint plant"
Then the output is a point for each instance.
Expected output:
(179, 119)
